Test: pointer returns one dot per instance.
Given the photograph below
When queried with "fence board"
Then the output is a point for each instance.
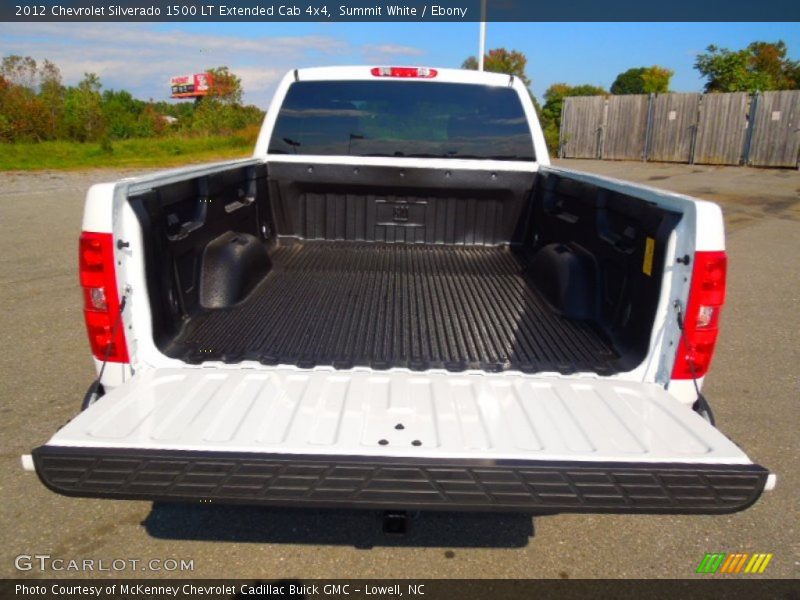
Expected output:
(581, 125)
(672, 127)
(626, 128)
(721, 129)
(776, 133)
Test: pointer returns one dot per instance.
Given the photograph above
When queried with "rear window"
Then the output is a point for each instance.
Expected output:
(402, 118)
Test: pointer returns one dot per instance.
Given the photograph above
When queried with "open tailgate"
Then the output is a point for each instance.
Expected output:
(399, 440)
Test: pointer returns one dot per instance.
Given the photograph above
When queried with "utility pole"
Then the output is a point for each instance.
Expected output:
(482, 43)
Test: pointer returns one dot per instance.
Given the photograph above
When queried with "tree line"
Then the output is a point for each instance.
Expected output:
(36, 106)
(761, 66)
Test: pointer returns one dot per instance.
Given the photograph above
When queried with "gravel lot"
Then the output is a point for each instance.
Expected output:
(45, 368)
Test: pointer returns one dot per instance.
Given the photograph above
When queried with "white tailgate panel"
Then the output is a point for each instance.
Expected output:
(349, 413)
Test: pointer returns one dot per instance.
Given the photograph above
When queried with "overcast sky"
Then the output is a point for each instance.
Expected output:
(142, 57)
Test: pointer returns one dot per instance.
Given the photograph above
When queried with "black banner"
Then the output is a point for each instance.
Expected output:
(437, 11)
(421, 589)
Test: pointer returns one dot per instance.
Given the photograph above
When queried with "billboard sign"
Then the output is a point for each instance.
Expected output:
(190, 86)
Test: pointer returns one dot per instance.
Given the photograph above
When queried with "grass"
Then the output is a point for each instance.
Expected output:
(143, 152)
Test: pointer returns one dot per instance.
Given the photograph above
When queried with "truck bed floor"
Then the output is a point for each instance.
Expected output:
(346, 304)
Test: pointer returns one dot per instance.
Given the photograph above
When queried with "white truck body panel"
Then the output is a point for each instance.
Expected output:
(225, 412)
(483, 416)
(362, 73)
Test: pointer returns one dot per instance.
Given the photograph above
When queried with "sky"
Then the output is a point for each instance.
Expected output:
(141, 57)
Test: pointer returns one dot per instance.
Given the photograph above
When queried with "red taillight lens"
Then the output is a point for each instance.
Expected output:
(701, 320)
(418, 72)
(100, 299)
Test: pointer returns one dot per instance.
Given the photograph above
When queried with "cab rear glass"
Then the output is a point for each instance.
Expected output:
(402, 118)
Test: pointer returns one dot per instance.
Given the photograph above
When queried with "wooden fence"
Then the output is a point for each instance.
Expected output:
(761, 129)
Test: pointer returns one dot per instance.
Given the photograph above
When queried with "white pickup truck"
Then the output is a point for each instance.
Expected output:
(398, 303)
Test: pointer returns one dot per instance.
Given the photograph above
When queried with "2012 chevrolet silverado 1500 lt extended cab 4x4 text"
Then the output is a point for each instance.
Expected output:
(398, 303)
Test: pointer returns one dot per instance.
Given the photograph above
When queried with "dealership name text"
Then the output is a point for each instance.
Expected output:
(190, 589)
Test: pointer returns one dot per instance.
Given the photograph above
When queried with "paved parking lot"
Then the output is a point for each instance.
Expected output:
(45, 368)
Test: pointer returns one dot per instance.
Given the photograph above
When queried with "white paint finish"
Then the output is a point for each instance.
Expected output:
(115, 374)
(709, 227)
(453, 415)
(98, 208)
(362, 73)
(27, 463)
(683, 390)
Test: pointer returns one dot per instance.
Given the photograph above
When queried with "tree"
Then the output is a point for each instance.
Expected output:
(225, 87)
(656, 79)
(760, 66)
(629, 82)
(52, 94)
(642, 80)
(83, 110)
(555, 94)
(36, 106)
(554, 103)
(19, 70)
(500, 60)
(221, 112)
(122, 114)
(24, 115)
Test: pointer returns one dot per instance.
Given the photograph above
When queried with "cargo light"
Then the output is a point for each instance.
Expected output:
(701, 320)
(415, 72)
(100, 299)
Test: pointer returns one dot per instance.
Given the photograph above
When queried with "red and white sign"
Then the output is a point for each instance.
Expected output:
(190, 86)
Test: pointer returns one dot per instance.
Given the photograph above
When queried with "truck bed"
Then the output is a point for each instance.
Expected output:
(348, 304)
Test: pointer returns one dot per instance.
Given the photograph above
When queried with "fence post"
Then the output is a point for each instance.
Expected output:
(697, 120)
(695, 128)
(751, 126)
(561, 128)
(601, 134)
(647, 128)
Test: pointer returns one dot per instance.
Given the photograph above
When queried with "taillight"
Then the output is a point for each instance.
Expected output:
(100, 299)
(418, 72)
(701, 320)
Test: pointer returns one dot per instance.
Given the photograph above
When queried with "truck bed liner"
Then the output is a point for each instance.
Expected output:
(348, 304)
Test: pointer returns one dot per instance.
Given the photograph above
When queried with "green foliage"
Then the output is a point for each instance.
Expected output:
(83, 110)
(554, 103)
(225, 87)
(500, 60)
(52, 95)
(35, 106)
(656, 79)
(175, 149)
(761, 66)
(629, 82)
(643, 80)
(214, 116)
(23, 115)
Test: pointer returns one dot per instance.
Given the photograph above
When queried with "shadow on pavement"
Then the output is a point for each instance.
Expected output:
(361, 529)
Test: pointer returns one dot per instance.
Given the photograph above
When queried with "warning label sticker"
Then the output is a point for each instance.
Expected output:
(649, 248)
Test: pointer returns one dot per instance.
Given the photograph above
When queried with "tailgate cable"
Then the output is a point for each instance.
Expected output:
(700, 405)
(96, 389)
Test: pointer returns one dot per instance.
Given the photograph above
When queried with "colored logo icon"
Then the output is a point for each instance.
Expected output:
(743, 562)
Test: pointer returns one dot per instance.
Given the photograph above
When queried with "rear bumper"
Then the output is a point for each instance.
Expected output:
(398, 483)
